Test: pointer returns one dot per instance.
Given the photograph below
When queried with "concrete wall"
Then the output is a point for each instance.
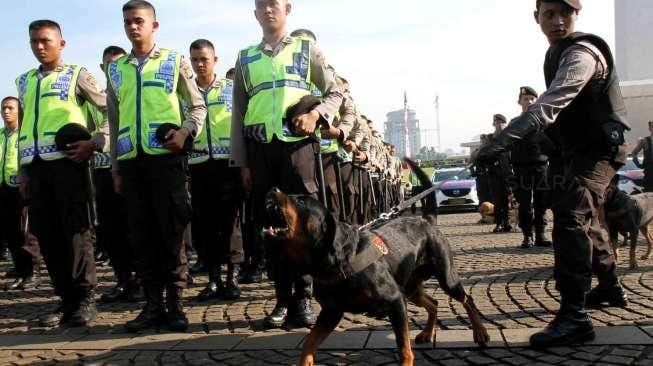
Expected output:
(634, 39)
(639, 103)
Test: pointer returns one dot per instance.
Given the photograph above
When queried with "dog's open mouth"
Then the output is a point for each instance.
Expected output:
(278, 225)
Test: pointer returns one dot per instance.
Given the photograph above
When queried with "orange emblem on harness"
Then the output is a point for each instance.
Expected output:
(378, 242)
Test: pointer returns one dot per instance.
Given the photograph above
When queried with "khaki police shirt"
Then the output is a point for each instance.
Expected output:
(187, 91)
(322, 76)
(87, 90)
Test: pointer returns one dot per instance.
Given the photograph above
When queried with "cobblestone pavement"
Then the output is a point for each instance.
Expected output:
(512, 287)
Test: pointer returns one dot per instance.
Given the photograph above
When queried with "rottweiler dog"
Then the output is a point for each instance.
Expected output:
(372, 271)
(628, 216)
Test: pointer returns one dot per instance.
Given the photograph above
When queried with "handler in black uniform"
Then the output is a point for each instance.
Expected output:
(499, 173)
(646, 144)
(529, 184)
(582, 99)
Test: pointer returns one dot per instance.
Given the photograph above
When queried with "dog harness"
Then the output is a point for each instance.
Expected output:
(375, 250)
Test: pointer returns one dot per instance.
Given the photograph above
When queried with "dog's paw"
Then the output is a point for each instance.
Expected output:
(425, 337)
(481, 337)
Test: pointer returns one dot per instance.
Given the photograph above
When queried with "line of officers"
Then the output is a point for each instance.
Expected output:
(168, 143)
(521, 175)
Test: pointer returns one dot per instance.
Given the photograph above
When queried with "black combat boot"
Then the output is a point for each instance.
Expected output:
(85, 311)
(215, 289)
(610, 295)
(254, 273)
(232, 291)
(152, 314)
(541, 239)
(175, 317)
(571, 325)
(304, 315)
(277, 317)
(527, 243)
(119, 293)
(198, 268)
(60, 315)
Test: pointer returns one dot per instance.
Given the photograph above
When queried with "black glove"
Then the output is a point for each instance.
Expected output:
(519, 128)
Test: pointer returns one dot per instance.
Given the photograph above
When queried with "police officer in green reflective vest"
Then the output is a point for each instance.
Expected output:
(54, 181)
(11, 205)
(144, 92)
(215, 187)
(270, 77)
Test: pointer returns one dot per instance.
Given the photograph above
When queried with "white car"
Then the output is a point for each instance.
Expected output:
(456, 189)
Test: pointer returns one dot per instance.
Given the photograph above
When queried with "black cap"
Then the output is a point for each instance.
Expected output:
(527, 90)
(70, 133)
(163, 130)
(500, 117)
(573, 3)
(305, 105)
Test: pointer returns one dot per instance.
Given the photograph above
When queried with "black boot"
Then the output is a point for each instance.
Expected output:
(215, 289)
(612, 296)
(277, 317)
(304, 316)
(152, 314)
(175, 317)
(197, 268)
(571, 325)
(527, 243)
(232, 291)
(85, 311)
(135, 293)
(58, 316)
(119, 293)
(31, 281)
(541, 239)
(253, 274)
(497, 229)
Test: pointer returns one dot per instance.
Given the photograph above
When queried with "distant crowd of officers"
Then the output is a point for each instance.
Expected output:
(125, 171)
(518, 179)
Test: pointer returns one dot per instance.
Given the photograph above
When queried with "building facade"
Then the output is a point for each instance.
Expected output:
(406, 144)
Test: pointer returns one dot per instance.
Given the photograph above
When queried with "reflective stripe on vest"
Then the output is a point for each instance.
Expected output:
(147, 98)
(48, 104)
(215, 137)
(8, 158)
(274, 84)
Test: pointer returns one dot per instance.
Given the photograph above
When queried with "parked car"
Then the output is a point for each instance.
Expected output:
(456, 189)
(631, 178)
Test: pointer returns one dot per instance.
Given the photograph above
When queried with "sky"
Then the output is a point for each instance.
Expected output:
(473, 54)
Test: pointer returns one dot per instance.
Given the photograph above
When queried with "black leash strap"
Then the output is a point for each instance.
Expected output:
(398, 209)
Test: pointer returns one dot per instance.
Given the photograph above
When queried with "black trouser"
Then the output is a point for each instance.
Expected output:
(111, 234)
(362, 196)
(648, 178)
(158, 211)
(530, 189)
(349, 191)
(216, 199)
(11, 231)
(580, 246)
(483, 187)
(291, 168)
(500, 194)
(252, 245)
(330, 180)
(59, 217)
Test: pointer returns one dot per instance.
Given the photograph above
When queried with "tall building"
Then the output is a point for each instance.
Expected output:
(395, 132)
(634, 58)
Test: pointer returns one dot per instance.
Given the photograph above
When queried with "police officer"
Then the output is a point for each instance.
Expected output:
(110, 234)
(582, 99)
(529, 183)
(645, 145)
(272, 153)
(145, 89)
(10, 200)
(500, 172)
(52, 96)
(215, 187)
(358, 143)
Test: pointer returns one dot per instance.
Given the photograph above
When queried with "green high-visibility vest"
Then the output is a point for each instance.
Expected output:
(214, 140)
(147, 98)
(273, 84)
(100, 159)
(48, 104)
(8, 158)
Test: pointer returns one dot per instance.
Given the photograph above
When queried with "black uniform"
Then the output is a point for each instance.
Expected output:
(647, 165)
(500, 173)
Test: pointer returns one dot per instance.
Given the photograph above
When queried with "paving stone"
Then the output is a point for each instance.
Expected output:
(209, 342)
(620, 336)
(465, 339)
(97, 342)
(344, 341)
(157, 342)
(36, 342)
(518, 337)
(271, 340)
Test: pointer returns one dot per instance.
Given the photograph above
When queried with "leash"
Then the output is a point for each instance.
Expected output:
(397, 210)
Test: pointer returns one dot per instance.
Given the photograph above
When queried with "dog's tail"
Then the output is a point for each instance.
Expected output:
(429, 203)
